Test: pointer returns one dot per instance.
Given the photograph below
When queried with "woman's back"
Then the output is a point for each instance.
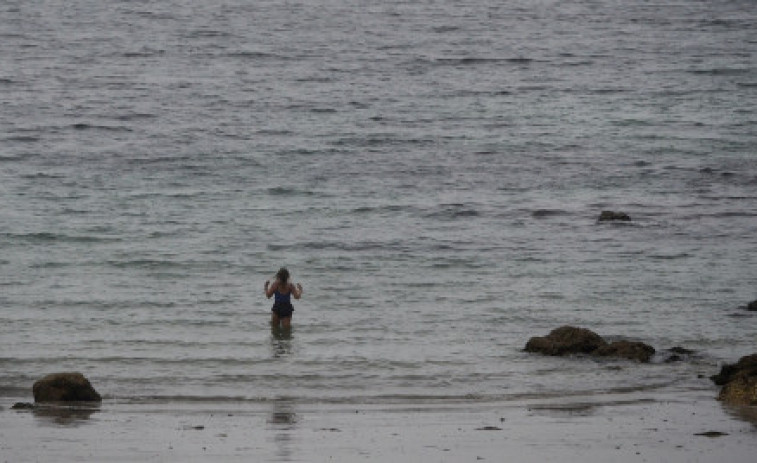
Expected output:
(283, 295)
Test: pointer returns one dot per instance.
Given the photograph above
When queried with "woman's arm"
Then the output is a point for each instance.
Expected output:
(297, 291)
(270, 288)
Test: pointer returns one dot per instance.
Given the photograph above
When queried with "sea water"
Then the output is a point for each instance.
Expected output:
(430, 171)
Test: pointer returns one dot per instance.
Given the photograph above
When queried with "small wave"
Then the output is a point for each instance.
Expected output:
(631, 122)
(721, 71)
(208, 33)
(51, 265)
(444, 29)
(286, 191)
(544, 213)
(146, 264)
(41, 176)
(135, 117)
(144, 53)
(256, 55)
(49, 237)
(23, 139)
(391, 208)
(608, 91)
(373, 141)
(612, 396)
(85, 126)
(722, 215)
(682, 255)
(471, 61)
(333, 245)
(13, 391)
(578, 63)
(726, 23)
(318, 80)
(453, 211)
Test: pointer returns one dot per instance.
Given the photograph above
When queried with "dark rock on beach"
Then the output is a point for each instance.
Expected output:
(566, 340)
(740, 391)
(609, 216)
(739, 382)
(632, 350)
(745, 366)
(65, 387)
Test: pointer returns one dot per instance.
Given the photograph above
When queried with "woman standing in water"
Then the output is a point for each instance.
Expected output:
(282, 290)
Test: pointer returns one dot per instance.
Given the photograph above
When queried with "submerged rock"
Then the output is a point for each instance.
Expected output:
(608, 216)
(65, 387)
(566, 340)
(678, 350)
(678, 354)
(739, 382)
(632, 350)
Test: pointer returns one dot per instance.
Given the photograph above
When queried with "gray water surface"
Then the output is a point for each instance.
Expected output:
(432, 172)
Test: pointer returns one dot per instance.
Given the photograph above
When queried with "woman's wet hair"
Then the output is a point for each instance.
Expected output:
(283, 275)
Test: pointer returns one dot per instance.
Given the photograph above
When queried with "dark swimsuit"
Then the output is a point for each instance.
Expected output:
(282, 305)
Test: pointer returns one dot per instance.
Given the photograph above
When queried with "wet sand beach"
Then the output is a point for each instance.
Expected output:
(619, 427)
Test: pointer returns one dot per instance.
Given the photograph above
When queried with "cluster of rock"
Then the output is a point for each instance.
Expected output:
(568, 340)
(739, 382)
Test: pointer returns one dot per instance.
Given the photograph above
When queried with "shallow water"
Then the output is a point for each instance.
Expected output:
(431, 172)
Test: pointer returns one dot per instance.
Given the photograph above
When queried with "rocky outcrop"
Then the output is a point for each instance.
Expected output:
(739, 382)
(632, 350)
(752, 306)
(568, 340)
(65, 387)
(609, 216)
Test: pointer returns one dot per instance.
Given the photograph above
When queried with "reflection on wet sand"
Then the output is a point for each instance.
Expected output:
(283, 420)
(66, 415)
(743, 412)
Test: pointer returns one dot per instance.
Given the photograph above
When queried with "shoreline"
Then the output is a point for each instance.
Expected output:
(660, 426)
